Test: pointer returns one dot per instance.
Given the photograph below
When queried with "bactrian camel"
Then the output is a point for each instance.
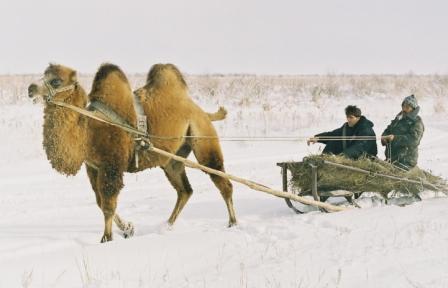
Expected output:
(71, 139)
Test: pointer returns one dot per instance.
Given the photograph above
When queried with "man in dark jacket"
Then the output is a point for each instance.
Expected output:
(403, 135)
(354, 139)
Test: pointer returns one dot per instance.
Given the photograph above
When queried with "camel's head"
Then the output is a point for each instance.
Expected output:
(161, 76)
(58, 84)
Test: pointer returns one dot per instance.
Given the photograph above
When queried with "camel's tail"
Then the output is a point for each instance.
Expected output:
(218, 115)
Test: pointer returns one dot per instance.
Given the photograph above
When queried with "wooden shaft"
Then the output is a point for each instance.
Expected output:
(250, 184)
(192, 164)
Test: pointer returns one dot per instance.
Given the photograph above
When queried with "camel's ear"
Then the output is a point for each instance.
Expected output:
(73, 77)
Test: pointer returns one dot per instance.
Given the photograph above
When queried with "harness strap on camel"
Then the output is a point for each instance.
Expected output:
(142, 125)
(113, 116)
(107, 111)
(141, 117)
(103, 113)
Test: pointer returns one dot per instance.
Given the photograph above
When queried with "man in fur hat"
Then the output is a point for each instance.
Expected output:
(350, 139)
(403, 135)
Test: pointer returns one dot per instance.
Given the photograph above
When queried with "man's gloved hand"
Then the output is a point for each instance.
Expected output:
(387, 138)
(311, 140)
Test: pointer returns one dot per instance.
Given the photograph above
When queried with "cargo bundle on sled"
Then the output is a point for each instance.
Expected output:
(324, 176)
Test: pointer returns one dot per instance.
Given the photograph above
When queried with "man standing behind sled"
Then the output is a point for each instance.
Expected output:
(354, 139)
(403, 135)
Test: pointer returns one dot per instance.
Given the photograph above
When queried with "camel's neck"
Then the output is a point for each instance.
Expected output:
(65, 134)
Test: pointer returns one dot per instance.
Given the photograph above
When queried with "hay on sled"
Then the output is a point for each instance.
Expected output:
(332, 178)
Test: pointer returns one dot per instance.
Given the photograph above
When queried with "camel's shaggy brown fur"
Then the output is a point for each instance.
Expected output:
(110, 148)
(64, 131)
(108, 151)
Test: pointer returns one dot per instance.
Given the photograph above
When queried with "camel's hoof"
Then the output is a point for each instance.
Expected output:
(106, 238)
(231, 224)
(128, 230)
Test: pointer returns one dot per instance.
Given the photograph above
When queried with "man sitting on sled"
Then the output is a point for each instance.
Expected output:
(354, 139)
(402, 136)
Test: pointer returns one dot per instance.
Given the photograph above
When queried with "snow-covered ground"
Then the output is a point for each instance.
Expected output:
(50, 226)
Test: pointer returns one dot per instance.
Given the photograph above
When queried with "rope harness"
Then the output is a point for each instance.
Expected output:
(53, 91)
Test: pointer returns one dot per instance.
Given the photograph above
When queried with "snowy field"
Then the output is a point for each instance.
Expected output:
(50, 226)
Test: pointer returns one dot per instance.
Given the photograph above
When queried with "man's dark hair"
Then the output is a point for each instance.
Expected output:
(353, 111)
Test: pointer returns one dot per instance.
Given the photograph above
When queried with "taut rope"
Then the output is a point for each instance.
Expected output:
(141, 132)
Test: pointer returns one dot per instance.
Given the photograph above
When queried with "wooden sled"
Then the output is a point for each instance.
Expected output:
(322, 196)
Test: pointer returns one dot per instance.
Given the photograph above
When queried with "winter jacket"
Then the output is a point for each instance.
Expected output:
(408, 131)
(351, 148)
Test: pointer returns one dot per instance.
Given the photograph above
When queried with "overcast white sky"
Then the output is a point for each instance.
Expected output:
(228, 36)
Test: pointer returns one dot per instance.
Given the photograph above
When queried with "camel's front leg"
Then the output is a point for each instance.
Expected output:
(109, 205)
(110, 182)
(126, 227)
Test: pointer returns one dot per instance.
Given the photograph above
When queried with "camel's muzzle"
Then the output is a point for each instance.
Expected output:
(32, 90)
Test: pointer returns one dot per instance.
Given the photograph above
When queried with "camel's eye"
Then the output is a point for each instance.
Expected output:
(55, 83)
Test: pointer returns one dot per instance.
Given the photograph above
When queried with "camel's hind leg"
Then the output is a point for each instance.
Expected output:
(126, 227)
(175, 172)
(208, 153)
